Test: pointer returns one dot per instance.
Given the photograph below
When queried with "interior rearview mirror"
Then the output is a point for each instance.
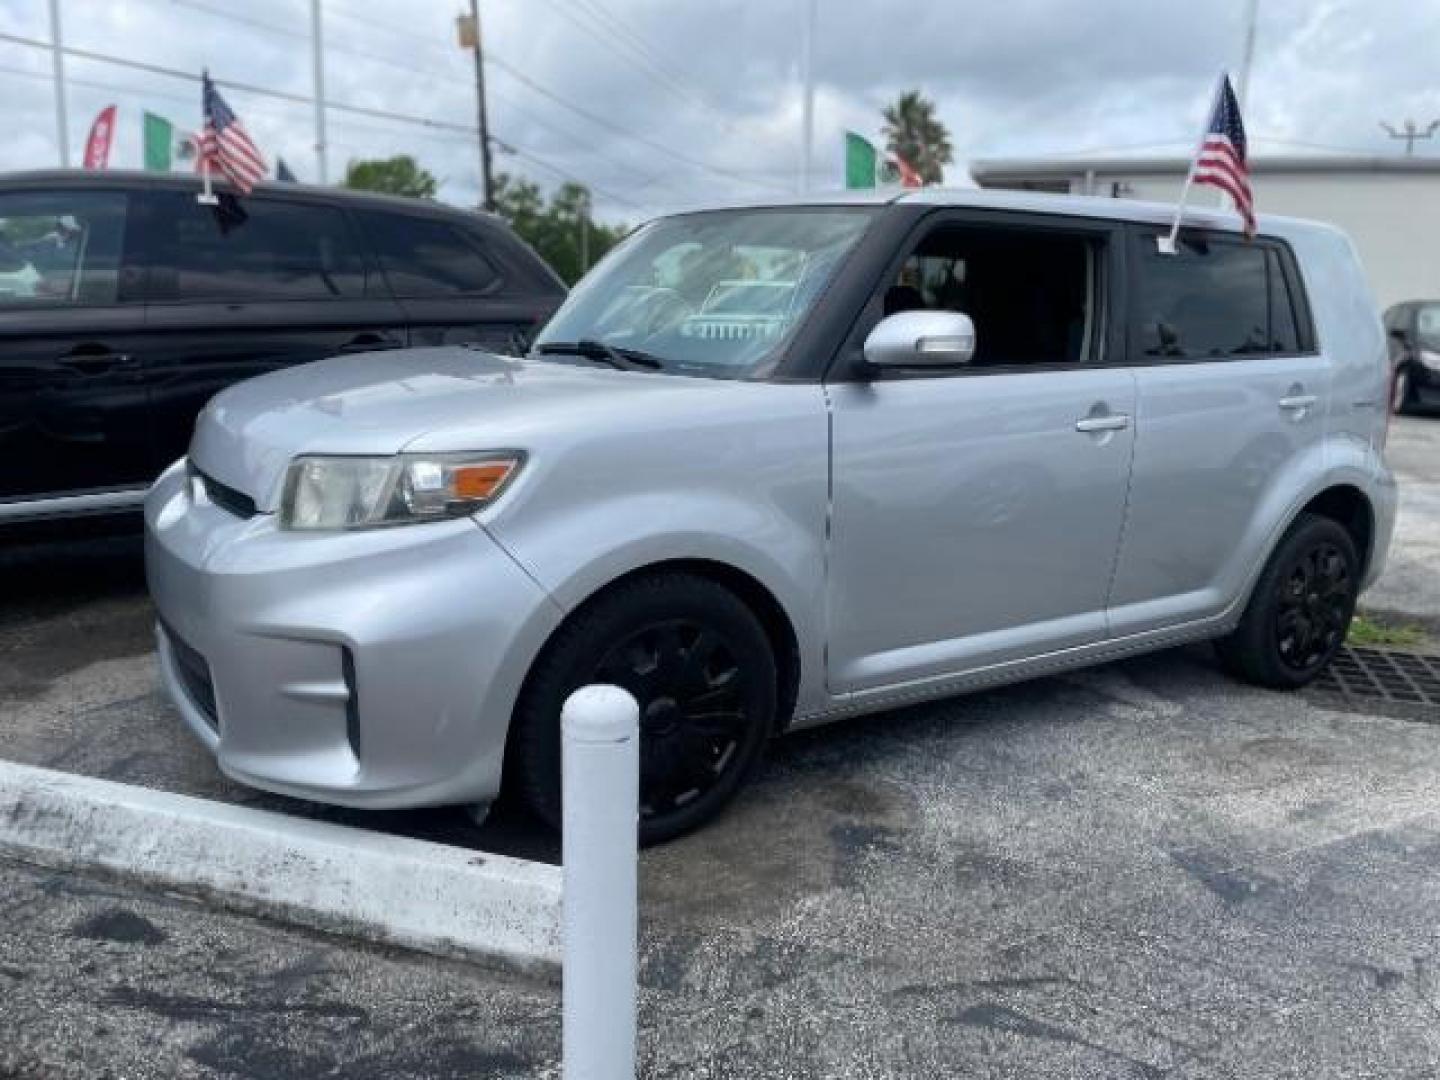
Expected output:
(920, 339)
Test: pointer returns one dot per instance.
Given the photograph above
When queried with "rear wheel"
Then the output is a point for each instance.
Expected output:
(1300, 611)
(700, 666)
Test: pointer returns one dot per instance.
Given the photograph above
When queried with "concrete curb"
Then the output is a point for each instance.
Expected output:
(432, 897)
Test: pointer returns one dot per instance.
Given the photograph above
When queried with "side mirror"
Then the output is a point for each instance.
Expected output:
(921, 339)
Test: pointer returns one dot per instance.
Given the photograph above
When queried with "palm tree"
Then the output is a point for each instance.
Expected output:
(913, 133)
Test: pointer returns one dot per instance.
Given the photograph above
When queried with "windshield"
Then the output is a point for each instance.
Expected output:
(709, 294)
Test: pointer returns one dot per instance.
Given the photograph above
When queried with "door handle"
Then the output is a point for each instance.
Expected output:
(1296, 402)
(97, 363)
(1115, 422)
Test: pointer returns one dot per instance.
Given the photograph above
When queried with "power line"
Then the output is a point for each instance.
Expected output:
(592, 19)
(616, 129)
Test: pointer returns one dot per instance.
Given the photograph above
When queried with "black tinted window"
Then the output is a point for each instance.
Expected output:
(59, 249)
(252, 249)
(1211, 300)
(1284, 329)
(424, 257)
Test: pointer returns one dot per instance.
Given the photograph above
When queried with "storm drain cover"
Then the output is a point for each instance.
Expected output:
(1365, 677)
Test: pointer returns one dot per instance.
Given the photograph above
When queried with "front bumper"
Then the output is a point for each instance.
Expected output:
(376, 668)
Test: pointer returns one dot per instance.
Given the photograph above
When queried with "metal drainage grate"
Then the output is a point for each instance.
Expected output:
(1364, 677)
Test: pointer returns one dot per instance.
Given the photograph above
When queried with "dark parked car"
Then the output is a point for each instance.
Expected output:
(1414, 329)
(125, 304)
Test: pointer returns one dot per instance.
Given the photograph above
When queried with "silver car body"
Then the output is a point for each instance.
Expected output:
(903, 533)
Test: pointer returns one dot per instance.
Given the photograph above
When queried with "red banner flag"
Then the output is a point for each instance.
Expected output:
(102, 134)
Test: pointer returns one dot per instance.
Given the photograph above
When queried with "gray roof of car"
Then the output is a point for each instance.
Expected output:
(1031, 202)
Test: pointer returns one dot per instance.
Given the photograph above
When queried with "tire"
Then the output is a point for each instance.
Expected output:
(1301, 608)
(1402, 397)
(701, 666)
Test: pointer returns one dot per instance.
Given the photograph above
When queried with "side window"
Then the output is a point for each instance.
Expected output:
(423, 257)
(1031, 294)
(1214, 300)
(1284, 330)
(258, 249)
(61, 249)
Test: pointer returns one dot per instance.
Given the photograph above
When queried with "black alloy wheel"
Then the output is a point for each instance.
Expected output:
(1313, 608)
(690, 686)
(699, 665)
(1300, 609)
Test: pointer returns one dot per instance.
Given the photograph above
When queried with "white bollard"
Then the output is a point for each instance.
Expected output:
(600, 735)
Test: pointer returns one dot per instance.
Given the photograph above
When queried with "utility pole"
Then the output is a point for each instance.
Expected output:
(317, 43)
(807, 76)
(57, 57)
(1411, 132)
(470, 35)
(1247, 57)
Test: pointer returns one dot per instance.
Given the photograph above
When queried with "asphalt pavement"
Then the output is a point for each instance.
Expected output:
(1142, 870)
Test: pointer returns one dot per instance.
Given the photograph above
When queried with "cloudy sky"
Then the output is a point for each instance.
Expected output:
(658, 103)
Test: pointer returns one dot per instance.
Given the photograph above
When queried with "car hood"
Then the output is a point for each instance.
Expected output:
(434, 400)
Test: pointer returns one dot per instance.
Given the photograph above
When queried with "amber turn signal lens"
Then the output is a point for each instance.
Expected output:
(480, 481)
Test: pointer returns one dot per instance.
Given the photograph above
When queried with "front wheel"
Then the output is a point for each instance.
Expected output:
(700, 666)
(1300, 611)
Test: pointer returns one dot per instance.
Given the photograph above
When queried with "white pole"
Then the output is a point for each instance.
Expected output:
(1166, 244)
(57, 58)
(1247, 57)
(600, 767)
(807, 76)
(317, 44)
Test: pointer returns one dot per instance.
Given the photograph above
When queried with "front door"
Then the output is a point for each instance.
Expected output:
(976, 513)
(74, 411)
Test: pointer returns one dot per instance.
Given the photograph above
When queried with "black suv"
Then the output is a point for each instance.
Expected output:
(1414, 328)
(125, 304)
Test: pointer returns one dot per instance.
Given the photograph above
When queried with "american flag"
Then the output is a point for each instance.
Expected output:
(225, 145)
(1221, 160)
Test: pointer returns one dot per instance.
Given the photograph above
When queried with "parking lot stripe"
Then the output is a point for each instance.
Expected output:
(393, 890)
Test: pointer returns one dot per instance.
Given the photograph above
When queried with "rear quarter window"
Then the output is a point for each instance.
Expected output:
(426, 257)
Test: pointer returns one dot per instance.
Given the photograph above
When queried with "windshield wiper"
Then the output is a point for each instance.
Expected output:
(615, 356)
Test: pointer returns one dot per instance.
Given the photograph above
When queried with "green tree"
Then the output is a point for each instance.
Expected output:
(562, 229)
(398, 175)
(912, 132)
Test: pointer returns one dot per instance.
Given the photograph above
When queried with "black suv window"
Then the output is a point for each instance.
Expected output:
(1215, 299)
(250, 250)
(424, 257)
(62, 248)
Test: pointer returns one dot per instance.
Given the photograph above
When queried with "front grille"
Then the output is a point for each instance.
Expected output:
(226, 497)
(194, 675)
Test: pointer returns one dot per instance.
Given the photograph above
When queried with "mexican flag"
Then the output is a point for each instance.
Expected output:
(159, 143)
(864, 167)
(860, 161)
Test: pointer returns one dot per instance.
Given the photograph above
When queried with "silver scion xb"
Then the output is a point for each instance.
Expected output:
(773, 465)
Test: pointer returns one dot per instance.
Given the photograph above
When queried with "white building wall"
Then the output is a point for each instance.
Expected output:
(1393, 218)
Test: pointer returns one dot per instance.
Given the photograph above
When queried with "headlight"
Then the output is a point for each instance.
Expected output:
(365, 492)
(1430, 359)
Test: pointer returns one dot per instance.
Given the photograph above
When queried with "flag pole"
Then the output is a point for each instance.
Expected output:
(1166, 244)
(207, 196)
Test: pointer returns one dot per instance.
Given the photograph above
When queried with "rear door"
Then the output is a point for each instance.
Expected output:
(246, 287)
(74, 413)
(1232, 394)
(461, 281)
